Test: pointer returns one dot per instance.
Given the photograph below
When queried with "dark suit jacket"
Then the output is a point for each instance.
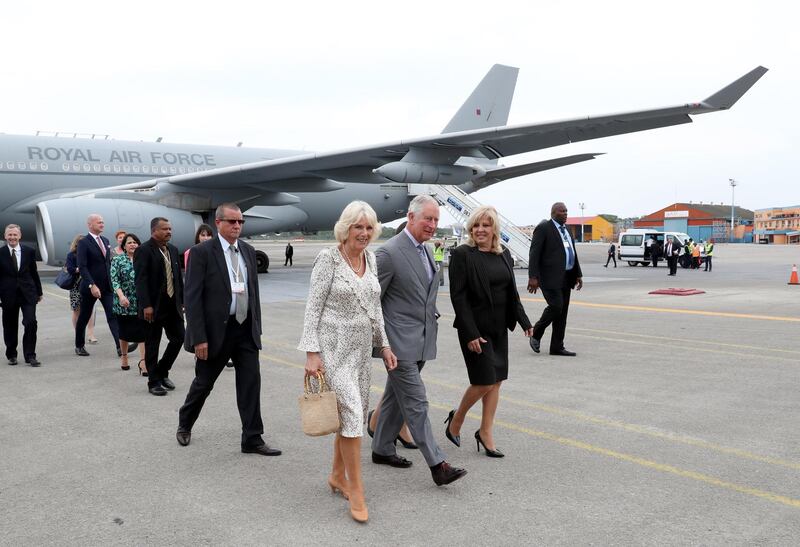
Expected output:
(547, 260)
(151, 279)
(26, 279)
(472, 296)
(208, 295)
(95, 268)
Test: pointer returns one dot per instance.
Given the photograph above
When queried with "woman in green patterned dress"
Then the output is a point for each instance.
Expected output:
(123, 283)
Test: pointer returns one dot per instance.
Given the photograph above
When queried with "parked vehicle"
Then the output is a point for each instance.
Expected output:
(634, 245)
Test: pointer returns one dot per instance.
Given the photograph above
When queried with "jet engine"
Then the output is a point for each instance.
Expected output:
(58, 221)
(429, 173)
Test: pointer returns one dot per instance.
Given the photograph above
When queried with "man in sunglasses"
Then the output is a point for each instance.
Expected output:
(223, 321)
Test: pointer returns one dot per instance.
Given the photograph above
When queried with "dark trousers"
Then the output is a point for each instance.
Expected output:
(708, 264)
(610, 258)
(288, 261)
(240, 348)
(555, 313)
(87, 308)
(672, 262)
(11, 327)
(170, 322)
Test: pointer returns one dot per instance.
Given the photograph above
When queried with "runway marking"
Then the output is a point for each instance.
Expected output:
(622, 456)
(675, 310)
(650, 336)
(616, 424)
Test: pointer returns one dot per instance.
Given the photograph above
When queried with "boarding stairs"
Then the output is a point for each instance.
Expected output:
(460, 205)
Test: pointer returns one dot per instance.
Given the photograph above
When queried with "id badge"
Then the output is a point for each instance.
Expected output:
(566, 245)
(237, 287)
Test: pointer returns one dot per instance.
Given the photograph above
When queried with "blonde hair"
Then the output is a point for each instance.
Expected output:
(351, 214)
(485, 211)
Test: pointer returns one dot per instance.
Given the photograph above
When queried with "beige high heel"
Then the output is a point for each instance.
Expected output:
(358, 510)
(337, 487)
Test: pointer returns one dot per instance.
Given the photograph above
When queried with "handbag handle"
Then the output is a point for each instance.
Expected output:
(322, 385)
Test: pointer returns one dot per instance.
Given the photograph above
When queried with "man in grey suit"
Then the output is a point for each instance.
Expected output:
(409, 284)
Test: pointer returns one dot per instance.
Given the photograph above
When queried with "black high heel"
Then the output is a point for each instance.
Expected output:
(455, 439)
(489, 452)
(142, 370)
(370, 432)
(405, 443)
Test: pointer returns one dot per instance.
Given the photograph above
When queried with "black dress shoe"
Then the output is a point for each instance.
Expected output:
(263, 450)
(81, 351)
(394, 460)
(12, 361)
(157, 390)
(444, 473)
(166, 383)
(184, 437)
(33, 362)
(564, 352)
(535, 344)
(455, 439)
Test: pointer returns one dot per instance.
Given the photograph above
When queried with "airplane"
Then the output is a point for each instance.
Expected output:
(50, 184)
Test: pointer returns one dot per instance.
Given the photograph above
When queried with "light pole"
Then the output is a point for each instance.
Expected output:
(733, 190)
(581, 205)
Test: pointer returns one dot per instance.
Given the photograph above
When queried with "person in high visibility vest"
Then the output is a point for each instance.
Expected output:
(709, 254)
(438, 259)
(696, 256)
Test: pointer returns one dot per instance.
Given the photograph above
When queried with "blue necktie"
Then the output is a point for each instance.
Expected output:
(570, 252)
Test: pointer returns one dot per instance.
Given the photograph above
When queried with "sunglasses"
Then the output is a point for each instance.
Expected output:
(233, 220)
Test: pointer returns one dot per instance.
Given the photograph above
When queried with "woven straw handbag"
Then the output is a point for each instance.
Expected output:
(318, 410)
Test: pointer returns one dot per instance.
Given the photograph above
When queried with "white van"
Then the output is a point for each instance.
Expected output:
(634, 244)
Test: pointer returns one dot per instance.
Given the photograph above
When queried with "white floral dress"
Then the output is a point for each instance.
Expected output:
(343, 322)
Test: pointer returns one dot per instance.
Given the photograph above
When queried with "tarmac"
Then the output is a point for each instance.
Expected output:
(677, 423)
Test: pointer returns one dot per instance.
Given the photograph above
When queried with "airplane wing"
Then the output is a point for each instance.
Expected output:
(318, 171)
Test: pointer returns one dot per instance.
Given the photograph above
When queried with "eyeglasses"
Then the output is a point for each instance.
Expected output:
(233, 220)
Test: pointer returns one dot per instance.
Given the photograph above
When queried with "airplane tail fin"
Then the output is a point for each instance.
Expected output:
(489, 104)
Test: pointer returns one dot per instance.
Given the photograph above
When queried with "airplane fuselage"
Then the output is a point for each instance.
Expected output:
(35, 168)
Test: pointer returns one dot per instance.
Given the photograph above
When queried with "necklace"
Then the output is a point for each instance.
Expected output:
(350, 262)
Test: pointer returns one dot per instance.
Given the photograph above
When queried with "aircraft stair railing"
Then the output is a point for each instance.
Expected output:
(460, 205)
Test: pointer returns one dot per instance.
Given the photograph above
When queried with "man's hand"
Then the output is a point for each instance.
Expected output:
(41, 297)
(533, 284)
(389, 358)
(149, 315)
(201, 351)
(579, 284)
(95, 291)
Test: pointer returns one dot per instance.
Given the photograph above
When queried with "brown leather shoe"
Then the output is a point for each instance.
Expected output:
(444, 473)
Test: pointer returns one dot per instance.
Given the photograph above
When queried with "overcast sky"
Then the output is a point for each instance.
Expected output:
(329, 75)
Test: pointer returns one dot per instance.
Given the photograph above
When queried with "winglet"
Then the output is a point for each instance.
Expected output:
(727, 96)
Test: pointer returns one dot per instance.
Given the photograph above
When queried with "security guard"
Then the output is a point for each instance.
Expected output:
(438, 258)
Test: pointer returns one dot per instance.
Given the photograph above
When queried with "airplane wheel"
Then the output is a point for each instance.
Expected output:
(262, 262)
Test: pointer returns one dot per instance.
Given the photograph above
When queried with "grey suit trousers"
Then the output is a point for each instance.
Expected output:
(404, 399)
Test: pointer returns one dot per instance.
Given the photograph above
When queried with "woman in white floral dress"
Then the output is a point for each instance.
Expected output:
(343, 323)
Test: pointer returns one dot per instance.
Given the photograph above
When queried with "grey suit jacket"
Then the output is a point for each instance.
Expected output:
(408, 299)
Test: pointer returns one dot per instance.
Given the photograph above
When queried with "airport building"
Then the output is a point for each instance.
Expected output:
(594, 228)
(702, 222)
(779, 225)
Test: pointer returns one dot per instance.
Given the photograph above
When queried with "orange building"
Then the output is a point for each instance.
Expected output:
(706, 222)
(779, 225)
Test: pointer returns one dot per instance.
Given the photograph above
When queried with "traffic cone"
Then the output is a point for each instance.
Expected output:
(793, 278)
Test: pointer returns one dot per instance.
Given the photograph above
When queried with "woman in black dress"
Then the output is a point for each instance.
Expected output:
(487, 305)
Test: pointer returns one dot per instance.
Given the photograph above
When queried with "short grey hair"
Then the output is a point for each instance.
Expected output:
(10, 226)
(418, 203)
(220, 212)
(351, 214)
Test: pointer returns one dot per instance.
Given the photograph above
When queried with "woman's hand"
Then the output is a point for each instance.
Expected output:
(123, 301)
(314, 364)
(475, 345)
(389, 358)
(529, 332)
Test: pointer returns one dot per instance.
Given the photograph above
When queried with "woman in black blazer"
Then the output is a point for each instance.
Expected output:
(484, 293)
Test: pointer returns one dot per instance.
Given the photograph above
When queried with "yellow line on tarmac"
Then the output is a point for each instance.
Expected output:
(675, 310)
(664, 468)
